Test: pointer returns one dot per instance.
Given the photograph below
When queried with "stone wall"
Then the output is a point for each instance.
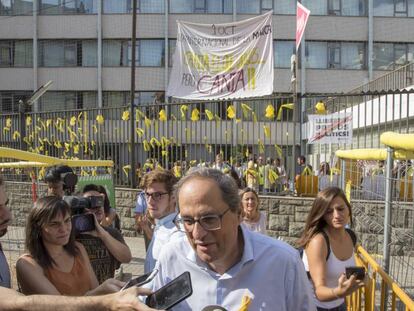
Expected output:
(286, 217)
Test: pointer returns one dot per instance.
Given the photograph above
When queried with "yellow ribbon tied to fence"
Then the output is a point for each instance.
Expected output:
(246, 109)
(140, 132)
(125, 115)
(284, 106)
(147, 146)
(266, 129)
(273, 176)
(231, 112)
(100, 119)
(278, 150)
(72, 121)
(270, 112)
(261, 146)
(16, 135)
(48, 122)
(195, 115)
(147, 122)
(209, 114)
(162, 115)
(183, 110)
(126, 169)
(320, 108)
(28, 120)
(8, 123)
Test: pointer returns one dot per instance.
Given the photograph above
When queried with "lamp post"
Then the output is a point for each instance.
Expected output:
(132, 96)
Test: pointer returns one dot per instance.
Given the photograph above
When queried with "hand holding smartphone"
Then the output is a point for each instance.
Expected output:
(141, 280)
(171, 294)
(359, 272)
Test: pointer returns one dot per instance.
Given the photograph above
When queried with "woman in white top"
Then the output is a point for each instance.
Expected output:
(253, 219)
(328, 249)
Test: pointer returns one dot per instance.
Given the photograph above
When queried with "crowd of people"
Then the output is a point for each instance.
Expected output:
(205, 222)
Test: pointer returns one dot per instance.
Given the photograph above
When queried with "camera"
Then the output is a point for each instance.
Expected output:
(64, 174)
(78, 204)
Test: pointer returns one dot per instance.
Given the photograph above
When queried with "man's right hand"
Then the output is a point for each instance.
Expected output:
(127, 300)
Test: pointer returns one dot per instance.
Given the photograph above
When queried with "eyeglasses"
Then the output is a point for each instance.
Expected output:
(156, 196)
(208, 222)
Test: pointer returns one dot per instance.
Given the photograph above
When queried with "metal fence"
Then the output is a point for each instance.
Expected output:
(190, 133)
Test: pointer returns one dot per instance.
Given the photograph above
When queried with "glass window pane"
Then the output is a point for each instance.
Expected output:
(70, 53)
(353, 8)
(52, 101)
(317, 7)
(87, 6)
(400, 54)
(316, 55)
(69, 6)
(283, 53)
(112, 53)
(51, 54)
(267, 5)
(151, 6)
(22, 7)
(181, 6)
(334, 55)
(5, 54)
(334, 7)
(410, 54)
(383, 56)
(89, 100)
(383, 7)
(401, 6)
(171, 50)
(89, 53)
(115, 6)
(352, 55)
(410, 12)
(248, 6)
(5, 7)
(23, 53)
(151, 53)
(219, 6)
(49, 7)
(285, 7)
(114, 99)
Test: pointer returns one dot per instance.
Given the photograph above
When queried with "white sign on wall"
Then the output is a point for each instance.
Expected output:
(330, 128)
(217, 61)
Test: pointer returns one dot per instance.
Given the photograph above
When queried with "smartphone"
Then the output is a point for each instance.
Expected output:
(358, 271)
(141, 280)
(171, 294)
(83, 222)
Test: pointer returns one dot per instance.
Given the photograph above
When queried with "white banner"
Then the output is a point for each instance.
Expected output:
(218, 61)
(330, 128)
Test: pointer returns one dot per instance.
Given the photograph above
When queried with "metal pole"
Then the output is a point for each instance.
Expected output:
(99, 51)
(35, 50)
(132, 104)
(370, 38)
(343, 173)
(388, 210)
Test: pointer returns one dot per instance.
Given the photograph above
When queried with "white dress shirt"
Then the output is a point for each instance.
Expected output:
(164, 232)
(270, 272)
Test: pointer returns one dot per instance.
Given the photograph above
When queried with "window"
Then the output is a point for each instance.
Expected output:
(50, 7)
(16, 7)
(316, 55)
(334, 55)
(285, 7)
(317, 7)
(89, 53)
(283, 52)
(352, 55)
(116, 6)
(267, 5)
(353, 8)
(52, 101)
(16, 53)
(9, 101)
(171, 50)
(334, 7)
(393, 8)
(383, 56)
(201, 6)
(151, 6)
(115, 53)
(60, 53)
(248, 6)
(219, 6)
(181, 6)
(148, 53)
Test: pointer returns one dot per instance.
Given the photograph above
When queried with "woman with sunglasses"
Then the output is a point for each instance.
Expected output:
(56, 264)
(253, 219)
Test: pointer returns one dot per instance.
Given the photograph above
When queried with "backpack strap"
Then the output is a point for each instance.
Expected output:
(352, 235)
(328, 245)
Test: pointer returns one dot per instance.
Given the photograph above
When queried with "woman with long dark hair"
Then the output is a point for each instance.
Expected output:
(56, 264)
(329, 248)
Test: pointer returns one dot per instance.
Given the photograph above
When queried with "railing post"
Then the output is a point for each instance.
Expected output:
(133, 163)
(22, 129)
(343, 172)
(388, 213)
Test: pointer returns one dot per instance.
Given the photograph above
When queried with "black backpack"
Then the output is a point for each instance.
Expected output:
(328, 245)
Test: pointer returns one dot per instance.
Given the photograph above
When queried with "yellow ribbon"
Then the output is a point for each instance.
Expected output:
(195, 115)
(147, 122)
(266, 129)
(72, 121)
(273, 176)
(147, 146)
(246, 109)
(254, 117)
(125, 115)
(139, 115)
(209, 114)
(76, 149)
(261, 146)
(320, 108)
(231, 112)
(284, 106)
(163, 115)
(8, 122)
(270, 112)
(126, 169)
(48, 122)
(183, 110)
(278, 150)
(16, 135)
(100, 119)
(164, 153)
(155, 141)
(140, 132)
(28, 120)
(95, 129)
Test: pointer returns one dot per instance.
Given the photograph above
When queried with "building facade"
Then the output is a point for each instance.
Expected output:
(84, 46)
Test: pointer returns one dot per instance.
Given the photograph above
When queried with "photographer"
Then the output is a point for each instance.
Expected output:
(105, 246)
(61, 180)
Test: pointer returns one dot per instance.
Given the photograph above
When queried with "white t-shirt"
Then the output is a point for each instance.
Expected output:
(259, 226)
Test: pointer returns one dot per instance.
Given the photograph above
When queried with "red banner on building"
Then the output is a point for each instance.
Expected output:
(302, 15)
